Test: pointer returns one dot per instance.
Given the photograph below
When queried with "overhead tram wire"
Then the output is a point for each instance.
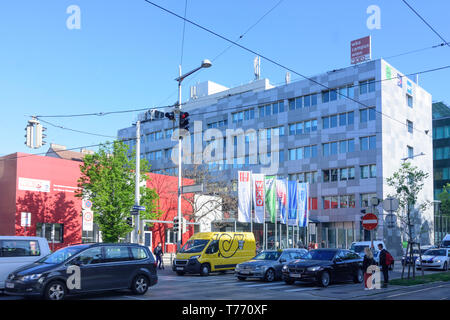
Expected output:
(74, 130)
(229, 47)
(429, 25)
(269, 59)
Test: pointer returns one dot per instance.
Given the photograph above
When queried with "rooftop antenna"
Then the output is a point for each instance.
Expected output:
(257, 67)
(288, 77)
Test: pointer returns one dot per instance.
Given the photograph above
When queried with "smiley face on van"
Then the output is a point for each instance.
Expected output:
(207, 252)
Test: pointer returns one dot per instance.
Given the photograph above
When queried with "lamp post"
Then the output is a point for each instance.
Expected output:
(205, 64)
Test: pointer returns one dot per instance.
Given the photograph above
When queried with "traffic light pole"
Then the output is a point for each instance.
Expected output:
(179, 160)
(137, 181)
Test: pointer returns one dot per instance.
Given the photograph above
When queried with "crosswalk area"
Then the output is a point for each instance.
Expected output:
(230, 281)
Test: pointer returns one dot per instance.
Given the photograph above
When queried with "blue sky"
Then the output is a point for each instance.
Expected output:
(126, 54)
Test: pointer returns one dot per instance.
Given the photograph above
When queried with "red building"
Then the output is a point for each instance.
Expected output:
(37, 198)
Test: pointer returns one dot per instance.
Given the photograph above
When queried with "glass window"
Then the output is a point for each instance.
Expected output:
(342, 92)
(139, 253)
(342, 119)
(364, 172)
(334, 175)
(373, 171)
(372, 85)
(333, 121)
(325, 96)
(292, 153)
(326, 175)
(333, 148)
(351, 91)
(306, 101)
(410, 126)
(292, 129)
(344, 174)
(350, 118)
(291, 103)
(314, 125)
(351, 201)
(275, 108)
(351, 145)
(334, 202)
(261, 112)
(439, 132)
(333, 95)
(372, 114)
(299, 128)
(343, 201)
(351, 173)
(364, 143)
(410, 152)
(372, 142)
(326, 203)
(307, 152)
(90, 256)
(268, 109)
(409, 100)
(53, 232)
(314, 99)
(116, 254)
(19, 248)
(363, 87)
(314, 151)
(299, 153)
(326, 149)
(363, 115)
(325, 122)
(281, 106)
(343, 146)
(307, 126)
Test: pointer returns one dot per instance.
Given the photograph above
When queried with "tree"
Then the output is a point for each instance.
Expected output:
(408, 182)
(108, 180)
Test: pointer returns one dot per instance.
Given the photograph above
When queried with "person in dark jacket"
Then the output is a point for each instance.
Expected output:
(158, 254)
(383, 265)
(367, 262)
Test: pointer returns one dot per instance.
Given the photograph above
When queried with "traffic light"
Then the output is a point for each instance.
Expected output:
(29, 136)
(170, 115)
(175, 224)
(184, 120)
(40, 135)
(130, 221)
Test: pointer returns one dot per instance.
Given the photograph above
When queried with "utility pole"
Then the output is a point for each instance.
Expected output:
(137, 181)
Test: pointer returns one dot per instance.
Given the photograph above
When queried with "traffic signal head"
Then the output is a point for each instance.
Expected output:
(170, 115)
(130, 221)
(29, 136)
(175, 224)
(184, 120)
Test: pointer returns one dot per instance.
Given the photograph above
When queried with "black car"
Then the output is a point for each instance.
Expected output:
(324, 266)
(85, 268)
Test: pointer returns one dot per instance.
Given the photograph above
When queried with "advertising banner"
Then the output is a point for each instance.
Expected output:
(303, 212)
(271, 197)
(360, 50)
(244, 197)
(292, 203)
(258, 197)
(282, 198)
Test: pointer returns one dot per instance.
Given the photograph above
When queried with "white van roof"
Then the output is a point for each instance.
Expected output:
(447, 237)
(21, 238)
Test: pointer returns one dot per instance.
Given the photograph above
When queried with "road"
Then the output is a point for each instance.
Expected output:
(227, 287)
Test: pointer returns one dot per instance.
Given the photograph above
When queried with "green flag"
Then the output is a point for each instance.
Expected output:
(271, 197)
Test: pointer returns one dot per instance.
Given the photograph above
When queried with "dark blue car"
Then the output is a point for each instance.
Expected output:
(85, 268)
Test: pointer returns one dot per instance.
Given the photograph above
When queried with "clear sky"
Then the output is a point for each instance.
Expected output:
(126, 53)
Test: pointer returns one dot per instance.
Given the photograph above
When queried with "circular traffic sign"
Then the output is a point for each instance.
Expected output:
(369, 221)
(391, 204)
(88, 216)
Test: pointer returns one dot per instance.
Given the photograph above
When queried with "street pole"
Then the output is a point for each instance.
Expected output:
(137, 180)
(180, 138)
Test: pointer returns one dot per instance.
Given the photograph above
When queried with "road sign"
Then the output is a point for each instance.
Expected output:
(192, 188)
(138, 208)
(134, 212)
(391, 204)
(369, 221)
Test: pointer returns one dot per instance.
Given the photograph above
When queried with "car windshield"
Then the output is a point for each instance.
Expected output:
(61, 255)
(326, 255)
(435, 252)
(268, 255)
(358, 248)
(194, 246)
(446, 243)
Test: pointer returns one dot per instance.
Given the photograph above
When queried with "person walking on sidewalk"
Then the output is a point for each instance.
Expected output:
(384, 263)
(367, 262)
(158, 254)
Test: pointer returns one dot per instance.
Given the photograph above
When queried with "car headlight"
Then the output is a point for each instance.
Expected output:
(285, 268)
(194, 257)
(259, 268)
(313, 269)
(31, 277)
(238, 266)
(437, 261)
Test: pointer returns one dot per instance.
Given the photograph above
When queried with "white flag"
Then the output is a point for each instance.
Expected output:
(258, 197)
(244, 197)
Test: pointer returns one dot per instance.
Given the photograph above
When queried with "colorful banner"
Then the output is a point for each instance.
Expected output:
(282, 198)
(258, 197)
(244, 197)
(292, 203)
(271, 197)
(303, 212)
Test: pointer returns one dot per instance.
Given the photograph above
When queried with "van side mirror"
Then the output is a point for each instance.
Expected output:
(218, 254)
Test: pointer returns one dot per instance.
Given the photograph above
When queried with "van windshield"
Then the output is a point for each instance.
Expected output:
(61, 255)
(446, 243)
(358, 248)
(194, 246)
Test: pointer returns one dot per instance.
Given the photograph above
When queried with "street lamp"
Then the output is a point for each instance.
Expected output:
(412, 157)
(205, 64)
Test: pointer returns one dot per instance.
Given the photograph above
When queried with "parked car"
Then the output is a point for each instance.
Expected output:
(267, 264)
(435, 258)
(16, 251)
(205, 252)
(85, 268)
(445, 242)
(359, 246)
(325, 266)
(416, 254)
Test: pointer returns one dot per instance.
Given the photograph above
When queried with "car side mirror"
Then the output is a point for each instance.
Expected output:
(337, 259)
(283, 260)
(218, 254)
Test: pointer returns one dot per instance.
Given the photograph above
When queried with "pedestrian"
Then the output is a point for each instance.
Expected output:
(258, 248)
(158, 254)
(367, 262)
(384, 263)
(323, 244)
(300, 244)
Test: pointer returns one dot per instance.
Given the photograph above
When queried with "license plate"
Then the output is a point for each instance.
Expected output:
(295, 275)
(180, 268)
(245, 272)
(9, 285)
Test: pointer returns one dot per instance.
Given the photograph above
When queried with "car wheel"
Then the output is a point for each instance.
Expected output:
(140, 285)
(445, 267)
(242, 278)
(180, 273)
(204, 270)
(289, 281)
(359, 277)
(55, 290)
(270, 275)
(324, 280)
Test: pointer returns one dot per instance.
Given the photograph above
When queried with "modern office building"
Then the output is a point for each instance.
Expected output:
(344, 138)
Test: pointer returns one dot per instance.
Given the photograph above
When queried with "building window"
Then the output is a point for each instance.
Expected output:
(367, 86)
(367, 115)
(300, 127)
(369, 171)
(365, 199)
(368, 143)
(330, 202)
(410, 152)
(410, 126)
(53, 232)
(409, 100)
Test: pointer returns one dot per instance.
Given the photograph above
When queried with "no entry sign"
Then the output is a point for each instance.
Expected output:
(369, 221)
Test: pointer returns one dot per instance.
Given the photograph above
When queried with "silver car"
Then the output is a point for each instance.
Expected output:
(267, 264)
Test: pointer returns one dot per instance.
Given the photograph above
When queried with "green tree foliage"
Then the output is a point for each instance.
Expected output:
(444, 197)
(108, 180)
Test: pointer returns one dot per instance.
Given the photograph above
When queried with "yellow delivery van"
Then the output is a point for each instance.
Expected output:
(205, 252)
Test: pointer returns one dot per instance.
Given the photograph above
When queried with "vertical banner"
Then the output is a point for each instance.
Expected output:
(271, 197)
(258, 197)
(292, 203)
(244, 197)
(282, 198)
(303, 212)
